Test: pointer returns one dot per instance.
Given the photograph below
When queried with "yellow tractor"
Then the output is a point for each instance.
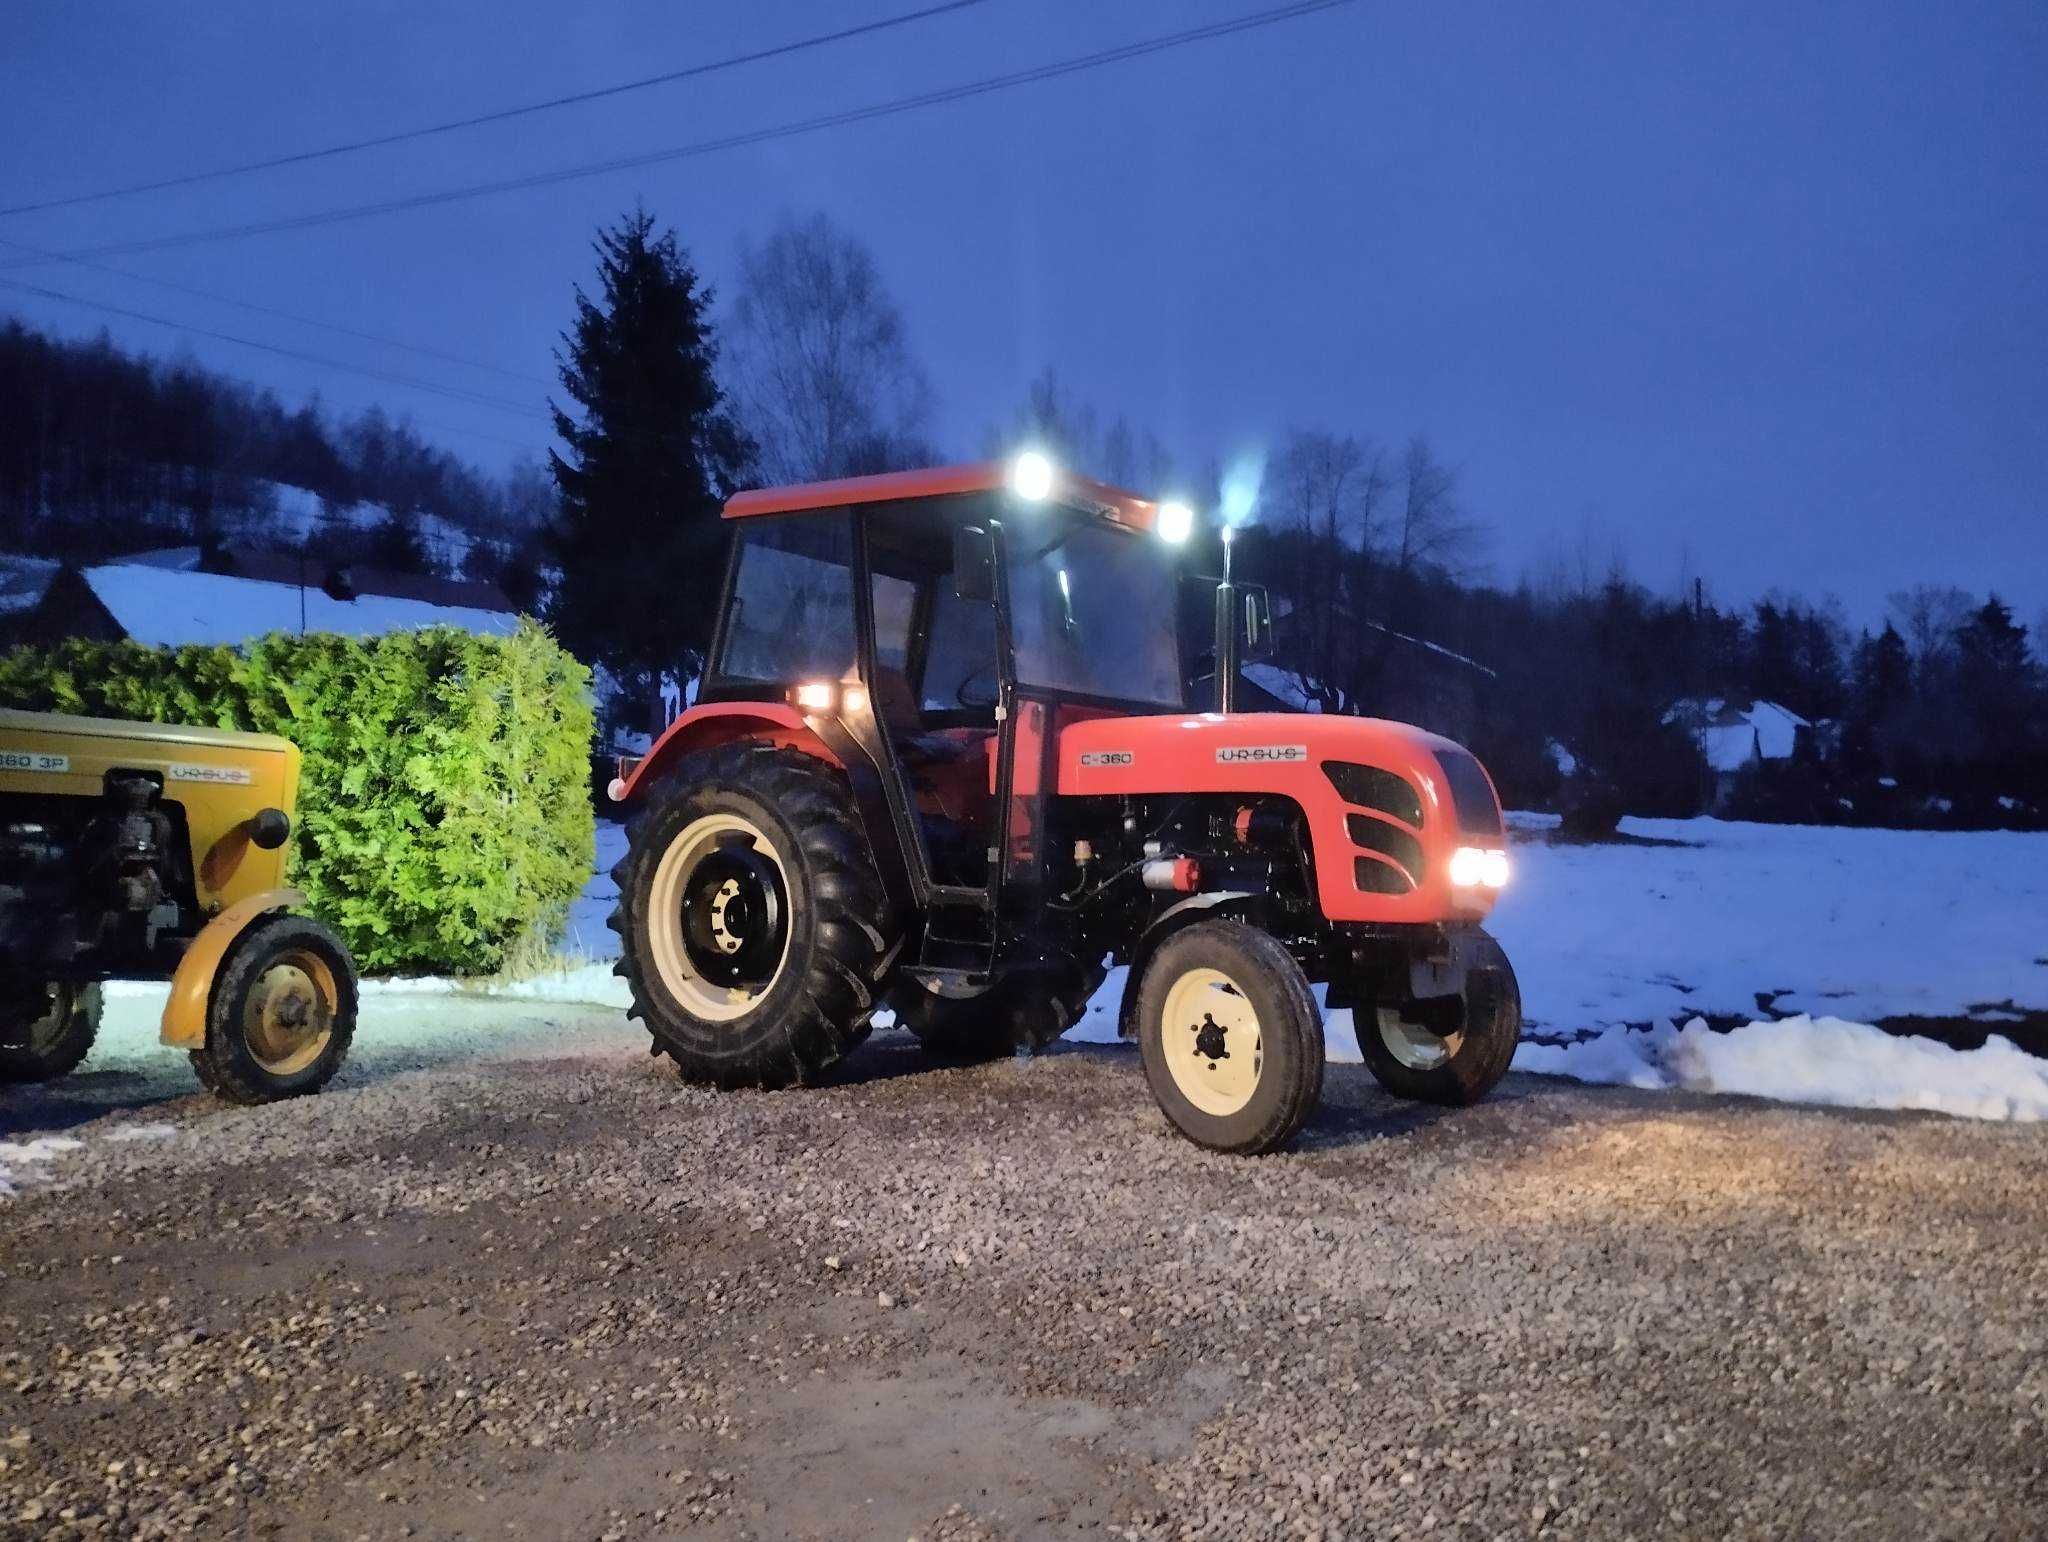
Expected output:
(144, 850)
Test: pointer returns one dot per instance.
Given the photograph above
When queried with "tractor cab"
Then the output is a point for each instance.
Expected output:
(942, 760)
(935, 629)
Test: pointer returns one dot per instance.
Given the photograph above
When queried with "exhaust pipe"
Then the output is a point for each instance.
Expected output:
(1228, 656)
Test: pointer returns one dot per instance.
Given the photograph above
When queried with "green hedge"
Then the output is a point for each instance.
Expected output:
(444, 818)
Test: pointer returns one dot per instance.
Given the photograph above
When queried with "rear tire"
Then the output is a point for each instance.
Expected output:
(1231, 1037)
(1021, 1014)
(1418, 1060)
(752, 917)
(55, 1041)
(282, 1012)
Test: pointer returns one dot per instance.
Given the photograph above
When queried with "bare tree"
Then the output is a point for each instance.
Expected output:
(1329, 486)
(823, 373)
(1432, 530)
(1327, 491)
(1052, 420)
(1929, 615)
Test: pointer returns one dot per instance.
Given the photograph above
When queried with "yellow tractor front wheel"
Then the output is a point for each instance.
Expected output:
(281, 1012)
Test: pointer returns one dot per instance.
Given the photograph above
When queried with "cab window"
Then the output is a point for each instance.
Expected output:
(791, 616)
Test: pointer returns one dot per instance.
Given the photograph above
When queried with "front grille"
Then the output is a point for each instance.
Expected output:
(1376, 788)
(1391, 842)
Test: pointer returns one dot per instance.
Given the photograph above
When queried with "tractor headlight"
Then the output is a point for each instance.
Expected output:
(1473, 868)
(1031, 477)
(1175, 523)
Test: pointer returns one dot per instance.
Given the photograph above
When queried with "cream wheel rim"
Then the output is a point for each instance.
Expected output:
(669, 897)
(1213, 1048)
(288, 1015)
(1415, 1046)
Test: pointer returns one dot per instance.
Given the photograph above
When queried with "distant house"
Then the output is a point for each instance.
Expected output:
(169, 605)
(1736, 736)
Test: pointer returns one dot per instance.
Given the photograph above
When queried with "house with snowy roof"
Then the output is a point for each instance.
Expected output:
(164, 604)
(1735, 737)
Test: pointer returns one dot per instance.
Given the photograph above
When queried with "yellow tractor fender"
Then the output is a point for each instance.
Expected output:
(192, 985)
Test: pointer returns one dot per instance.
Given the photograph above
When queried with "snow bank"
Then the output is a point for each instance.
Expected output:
(1809, 1060)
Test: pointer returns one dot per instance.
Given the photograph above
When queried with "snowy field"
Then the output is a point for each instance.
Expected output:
(1733, 919)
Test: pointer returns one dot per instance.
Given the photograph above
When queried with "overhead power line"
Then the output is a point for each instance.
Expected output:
(892, 108)
(271, 310)
(501, 115)
(456, 393)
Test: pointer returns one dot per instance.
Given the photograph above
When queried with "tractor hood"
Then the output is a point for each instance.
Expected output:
(1387, 805)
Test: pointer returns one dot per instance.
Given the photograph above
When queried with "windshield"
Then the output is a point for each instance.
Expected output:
(1093, 609)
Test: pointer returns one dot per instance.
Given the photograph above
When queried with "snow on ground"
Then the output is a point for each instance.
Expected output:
(1809, 1060)
(17, 1155)
(305, 516)
(1856, 924)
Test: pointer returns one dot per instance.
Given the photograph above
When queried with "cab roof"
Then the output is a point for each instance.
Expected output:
(1068, 489)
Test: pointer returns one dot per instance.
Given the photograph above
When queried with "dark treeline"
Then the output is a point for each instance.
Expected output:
(1590, 696)
(105, 452)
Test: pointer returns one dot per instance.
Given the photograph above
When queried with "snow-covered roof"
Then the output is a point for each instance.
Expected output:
(167, 608)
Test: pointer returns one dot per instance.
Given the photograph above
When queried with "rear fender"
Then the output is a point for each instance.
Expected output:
(782, 726)
(721, 722)
(184, 1024)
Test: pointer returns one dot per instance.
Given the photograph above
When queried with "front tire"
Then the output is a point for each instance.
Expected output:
(281, 1014)
(53, 1029)
(1231, 1038)
(1453, 1053)
(753, 919)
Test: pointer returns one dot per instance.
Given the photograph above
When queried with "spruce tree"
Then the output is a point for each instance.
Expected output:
(650, 458)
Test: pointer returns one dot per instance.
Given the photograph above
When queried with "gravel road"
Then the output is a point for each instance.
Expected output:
(550, 1293)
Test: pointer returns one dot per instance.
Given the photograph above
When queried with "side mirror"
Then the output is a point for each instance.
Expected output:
(974, 564)
(1258, 622)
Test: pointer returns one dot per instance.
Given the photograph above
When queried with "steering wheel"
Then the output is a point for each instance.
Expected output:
(967, 697)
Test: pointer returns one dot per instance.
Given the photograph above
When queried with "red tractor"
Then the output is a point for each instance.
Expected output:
(943, 761)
